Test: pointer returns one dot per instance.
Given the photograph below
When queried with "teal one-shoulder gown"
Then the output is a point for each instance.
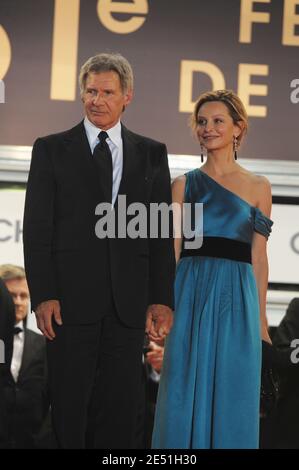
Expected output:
(209, 390)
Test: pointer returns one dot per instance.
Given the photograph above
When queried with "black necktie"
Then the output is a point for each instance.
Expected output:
(103, 160)
(17, 330)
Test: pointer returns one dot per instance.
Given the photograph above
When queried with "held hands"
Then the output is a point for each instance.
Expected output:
(44, 313)
(265, 330)
(159, 319)
(265, 336)
(155, 356)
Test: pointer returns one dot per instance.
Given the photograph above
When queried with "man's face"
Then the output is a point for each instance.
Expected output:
(19, 291)
(104, 99)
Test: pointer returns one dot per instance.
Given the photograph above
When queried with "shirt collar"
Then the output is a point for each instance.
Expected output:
(20, 324)
(92, 131)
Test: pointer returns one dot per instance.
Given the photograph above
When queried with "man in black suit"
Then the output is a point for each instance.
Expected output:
(279, 426)
(7, 321)
(25, 387)
(153, 367)
(94, 295)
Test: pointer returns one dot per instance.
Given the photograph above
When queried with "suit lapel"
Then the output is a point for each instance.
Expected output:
(134, 162)
(27, 352)
(81, 156)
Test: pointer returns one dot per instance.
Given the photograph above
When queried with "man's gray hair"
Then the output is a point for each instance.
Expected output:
(106, 62)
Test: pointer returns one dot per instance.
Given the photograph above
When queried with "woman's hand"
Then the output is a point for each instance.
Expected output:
(265, 336)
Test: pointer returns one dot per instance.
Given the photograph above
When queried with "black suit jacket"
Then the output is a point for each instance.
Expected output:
(288, 328)
(65, 260)
(27, 400)
(7, 321)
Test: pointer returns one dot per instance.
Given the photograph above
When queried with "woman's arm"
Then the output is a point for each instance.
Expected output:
(259, 253)
(178, 191)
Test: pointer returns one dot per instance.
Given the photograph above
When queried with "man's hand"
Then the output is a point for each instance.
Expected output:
(44, 313)
(159, 319)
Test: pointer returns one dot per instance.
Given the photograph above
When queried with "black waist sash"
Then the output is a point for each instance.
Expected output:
(219, 247)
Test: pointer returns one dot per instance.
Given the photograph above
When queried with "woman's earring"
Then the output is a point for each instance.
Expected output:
(235, 147)
(201, 153)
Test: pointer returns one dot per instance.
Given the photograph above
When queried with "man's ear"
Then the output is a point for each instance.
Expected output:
(128, 97)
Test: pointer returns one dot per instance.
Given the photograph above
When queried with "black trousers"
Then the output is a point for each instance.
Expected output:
(95, 379)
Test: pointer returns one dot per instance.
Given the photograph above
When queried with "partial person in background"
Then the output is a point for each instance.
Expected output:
(154, 357)
(280, 429)
(151, 367)
(7, 321)
(209, 392)
(26, 389)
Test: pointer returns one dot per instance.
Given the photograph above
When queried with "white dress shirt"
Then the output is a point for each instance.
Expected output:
(116, 147)
(18, 348)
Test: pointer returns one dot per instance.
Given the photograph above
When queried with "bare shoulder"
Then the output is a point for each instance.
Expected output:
(263, 194)
(259, 183)
(179, 181)
(178, 188)
(258, 189)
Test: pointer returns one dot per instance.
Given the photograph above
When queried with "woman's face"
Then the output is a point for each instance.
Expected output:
(215, 126)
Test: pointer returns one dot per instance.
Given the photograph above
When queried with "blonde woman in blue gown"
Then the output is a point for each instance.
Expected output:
(210, 385)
